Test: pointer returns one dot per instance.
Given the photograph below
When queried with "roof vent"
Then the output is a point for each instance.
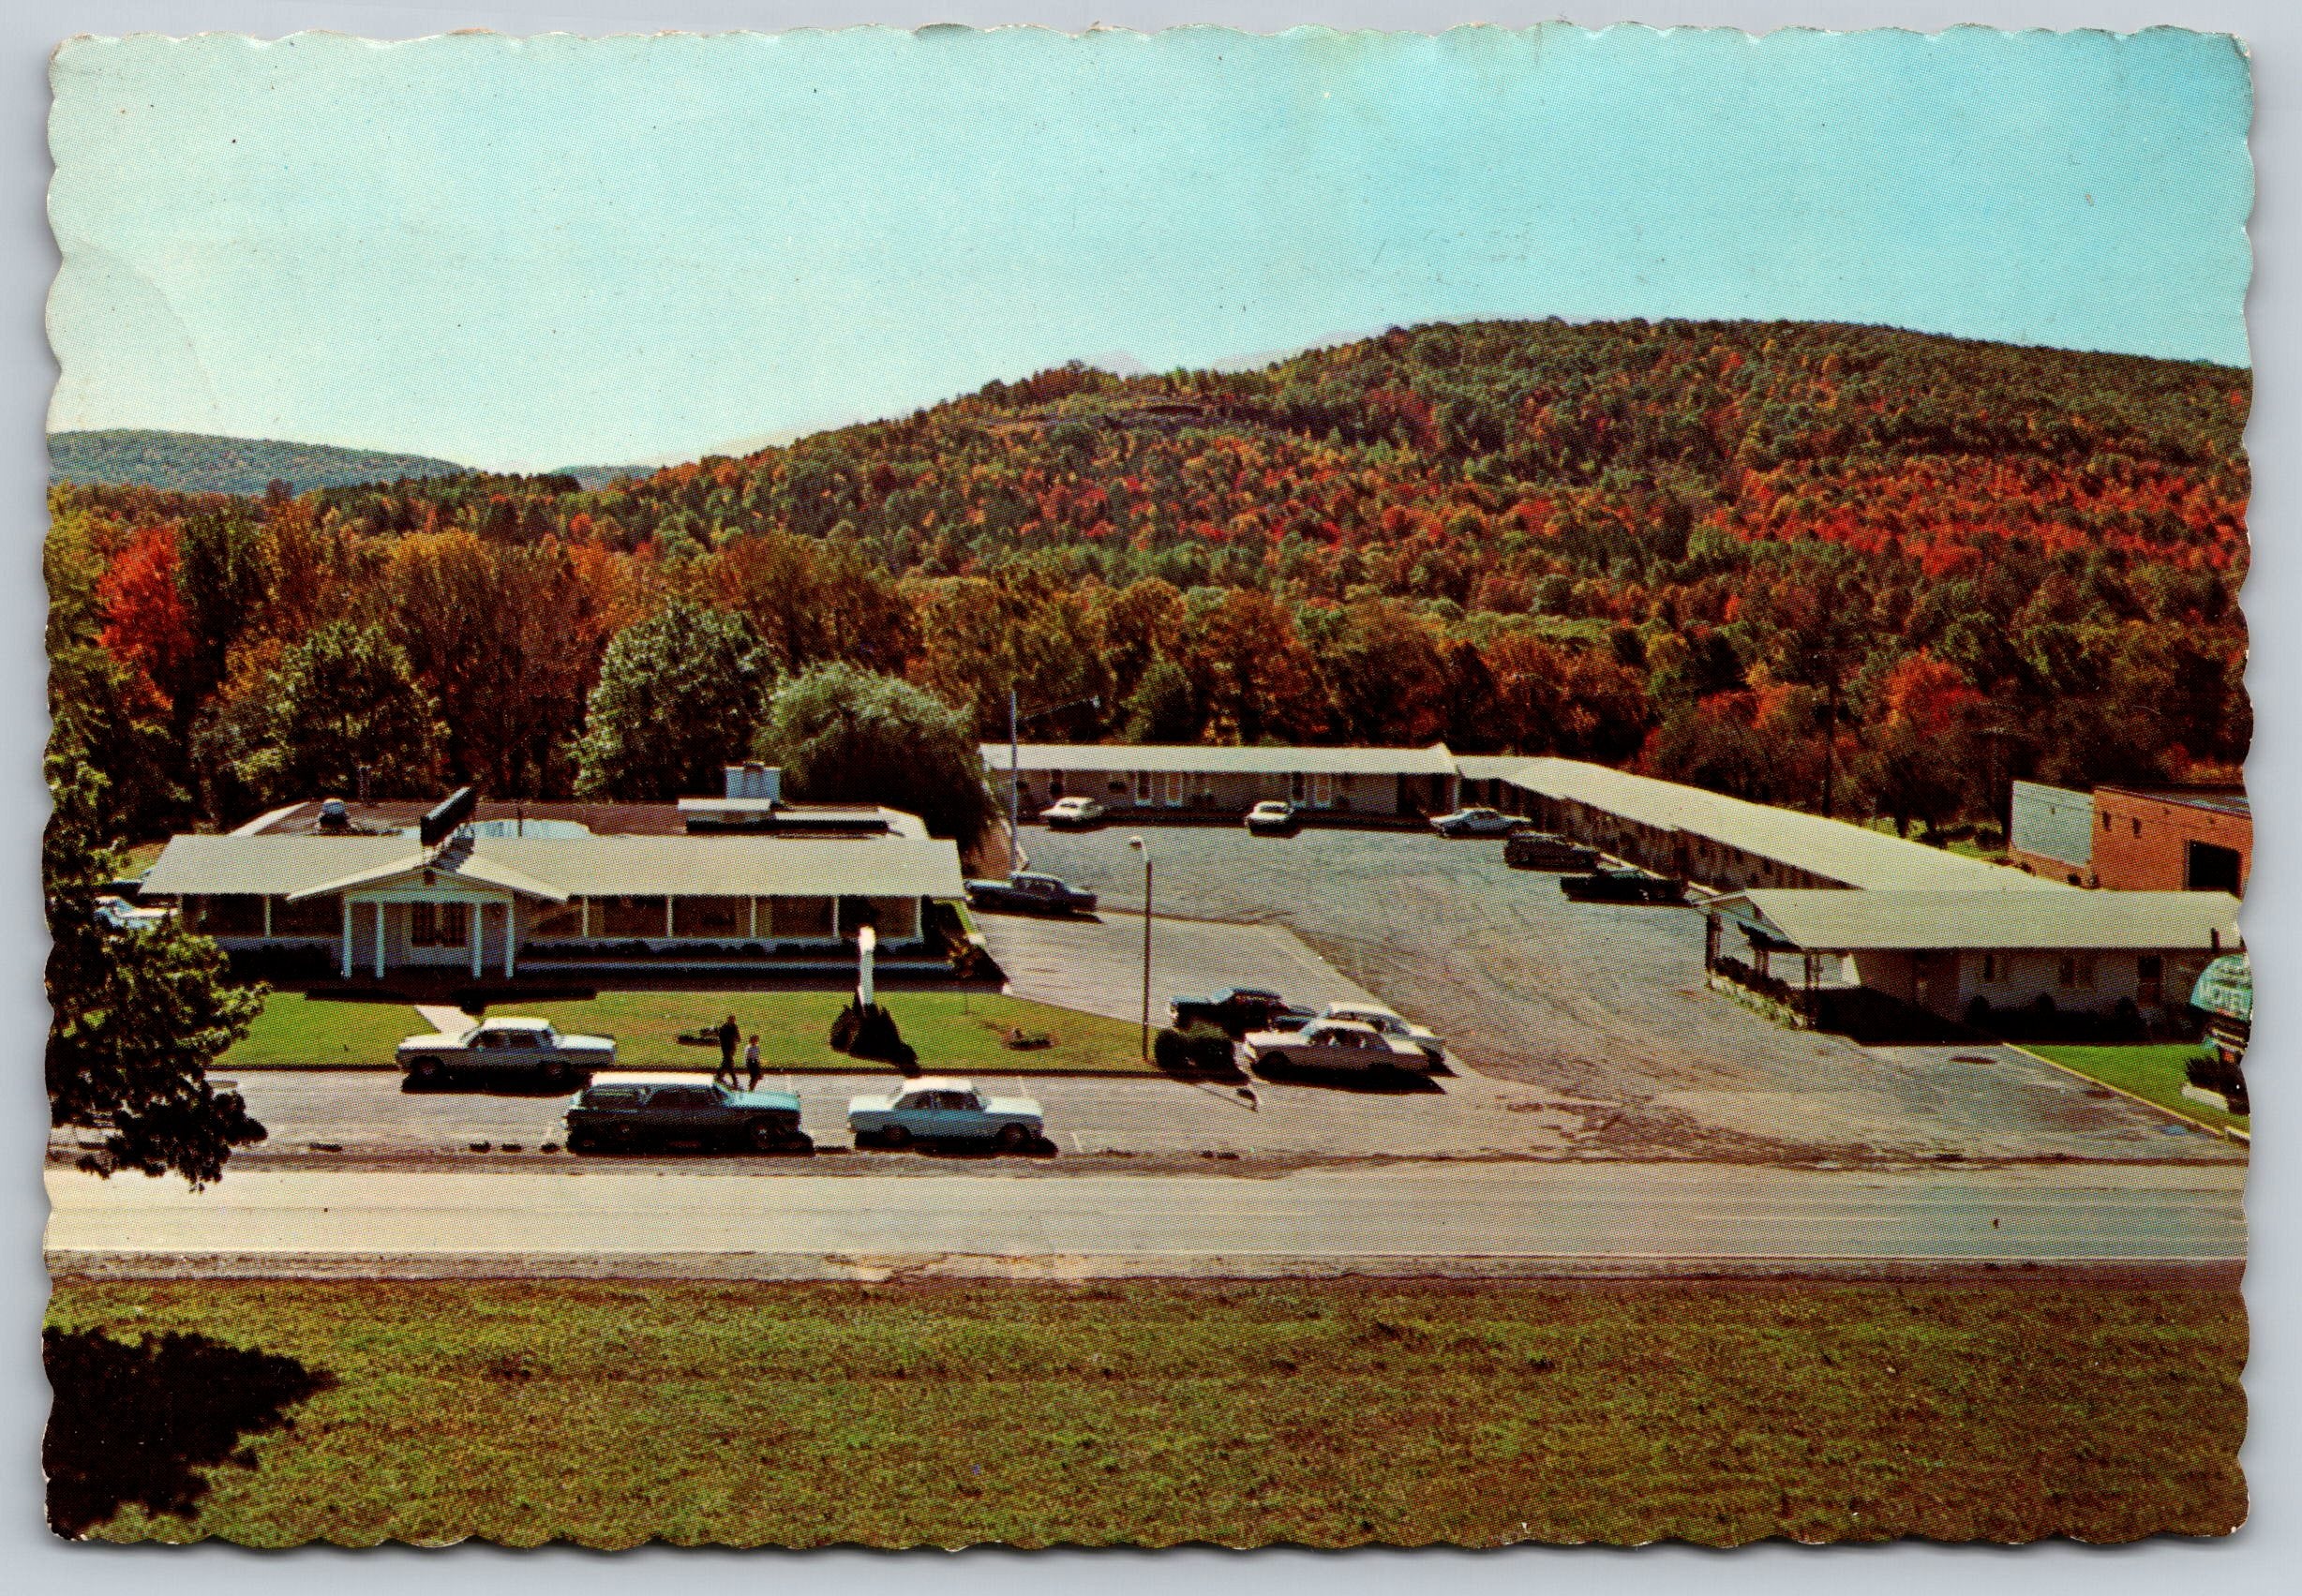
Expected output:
(755, 780)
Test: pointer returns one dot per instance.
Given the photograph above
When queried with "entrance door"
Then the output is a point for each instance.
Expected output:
(2210, 869)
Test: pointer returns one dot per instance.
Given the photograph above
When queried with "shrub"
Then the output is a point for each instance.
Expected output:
(1195, 1047)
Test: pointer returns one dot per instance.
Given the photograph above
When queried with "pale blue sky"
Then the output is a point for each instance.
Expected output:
(550, 252)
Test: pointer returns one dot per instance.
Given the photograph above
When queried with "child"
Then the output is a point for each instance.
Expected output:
(752, 1065)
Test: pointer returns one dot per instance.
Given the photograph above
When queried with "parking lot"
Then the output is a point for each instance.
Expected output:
(1600, 1005)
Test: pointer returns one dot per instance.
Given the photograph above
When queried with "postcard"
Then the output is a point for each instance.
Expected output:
(996, 788)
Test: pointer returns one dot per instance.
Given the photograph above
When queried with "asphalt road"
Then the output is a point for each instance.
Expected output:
(1626, 1217)
(1593, 1003)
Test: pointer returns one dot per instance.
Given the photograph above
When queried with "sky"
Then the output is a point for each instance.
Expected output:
(525, 254)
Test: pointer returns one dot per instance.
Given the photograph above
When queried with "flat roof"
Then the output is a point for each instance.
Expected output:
(390, 815)
(2223, 801)
(1197, 759)
(561, 866)
(1829, 921)
(1835, 850)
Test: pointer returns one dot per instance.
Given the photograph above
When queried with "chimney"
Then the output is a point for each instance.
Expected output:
(755, 780)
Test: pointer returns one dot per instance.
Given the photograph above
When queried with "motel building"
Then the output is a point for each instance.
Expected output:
(2100, 953)
(1188, 780)
(476, 889)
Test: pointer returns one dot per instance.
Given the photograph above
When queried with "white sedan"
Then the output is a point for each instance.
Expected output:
(1394, 1024)
(1477, 821)
(942, 1108)
(1333, 1045)
(1071, 811)
(506, 1046)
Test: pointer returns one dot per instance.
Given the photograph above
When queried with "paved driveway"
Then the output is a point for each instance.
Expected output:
(1601, 1003)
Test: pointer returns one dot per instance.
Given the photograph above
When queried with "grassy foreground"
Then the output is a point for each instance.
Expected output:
(957, 1032)
(1152, 1412)
(2155, 1072)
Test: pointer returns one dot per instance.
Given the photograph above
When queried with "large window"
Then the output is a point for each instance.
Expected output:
(312, 916)
(228, 913)
(797, 918)
(438, 925)
(559, 919)
(899, 918)
(628, 916)
(711, 917)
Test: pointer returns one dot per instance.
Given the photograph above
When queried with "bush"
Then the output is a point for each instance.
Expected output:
(1197, 1047)
(2212, 1072)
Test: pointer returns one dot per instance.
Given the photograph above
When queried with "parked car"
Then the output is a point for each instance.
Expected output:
(1072, 813)
(633, 1111)
(506, 1046)
(1546, 850)
(943, 1108)
(1237, 1010)
(1273, 817)
(1476, 822)
(1332, 1045)
(1393, 1023)
(1029, 893)
(118, 913)
(1623, 884)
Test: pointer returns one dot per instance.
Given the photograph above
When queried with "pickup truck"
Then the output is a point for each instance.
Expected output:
(631, 1111)
(1030, 894)
(1334, 1045)
(1234, 1010)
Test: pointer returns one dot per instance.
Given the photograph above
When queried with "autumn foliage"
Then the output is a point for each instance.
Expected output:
(1809, 562)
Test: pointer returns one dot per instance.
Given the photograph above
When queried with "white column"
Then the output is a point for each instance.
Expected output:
(379, 939)
(474, 921)
(511, 932)
(347, 901)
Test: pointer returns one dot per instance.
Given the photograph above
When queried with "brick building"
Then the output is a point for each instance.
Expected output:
(2164, 840)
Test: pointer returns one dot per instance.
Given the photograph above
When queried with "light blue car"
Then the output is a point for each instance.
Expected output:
(943, 1108)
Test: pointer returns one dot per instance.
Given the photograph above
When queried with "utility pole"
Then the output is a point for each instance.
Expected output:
(1014, 783)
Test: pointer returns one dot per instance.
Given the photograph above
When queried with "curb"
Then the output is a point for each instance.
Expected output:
(2224, 1132)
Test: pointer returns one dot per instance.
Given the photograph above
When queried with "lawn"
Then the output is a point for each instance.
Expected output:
(959, 1031)
(1327, 1413)
(2154, 1071)
(298, 1031)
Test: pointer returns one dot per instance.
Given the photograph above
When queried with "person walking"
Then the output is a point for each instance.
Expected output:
(752, 1066)
(729, 1034)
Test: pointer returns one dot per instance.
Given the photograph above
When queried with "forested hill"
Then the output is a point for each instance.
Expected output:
(198, 462)
(1816, 564)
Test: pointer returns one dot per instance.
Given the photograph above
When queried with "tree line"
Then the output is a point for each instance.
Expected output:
(1842, 568)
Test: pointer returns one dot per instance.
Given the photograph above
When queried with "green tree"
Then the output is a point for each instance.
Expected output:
(138, 1016)
(849, 736)
(343, 700)
(678, 695)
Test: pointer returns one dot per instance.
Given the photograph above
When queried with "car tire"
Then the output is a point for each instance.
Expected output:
(765, 1135)
(426, 1070)
(623, 1137)
(581, 1141)
(895, 1136)
(1015, 1138)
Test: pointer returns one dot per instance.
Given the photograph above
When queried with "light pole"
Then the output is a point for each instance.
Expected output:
(1145, 848)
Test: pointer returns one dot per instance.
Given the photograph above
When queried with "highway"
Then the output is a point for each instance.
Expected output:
(1435, 1217)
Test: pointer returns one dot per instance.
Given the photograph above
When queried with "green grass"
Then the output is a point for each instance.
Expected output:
(298, 1031)
(1329, 1413)
(959, 1031)
(2154, 1071)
